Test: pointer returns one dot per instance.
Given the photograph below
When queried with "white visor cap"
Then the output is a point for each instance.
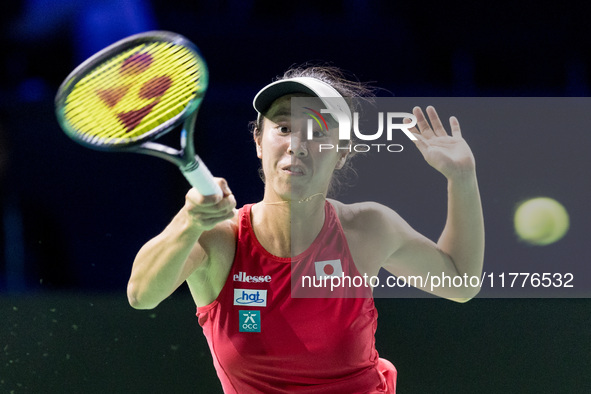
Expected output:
(330, 97)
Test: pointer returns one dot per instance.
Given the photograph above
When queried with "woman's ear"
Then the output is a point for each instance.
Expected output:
(343, 154)
(342, 160)
(257, 141)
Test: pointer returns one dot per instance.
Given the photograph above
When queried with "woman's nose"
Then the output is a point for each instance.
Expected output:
(297, 145)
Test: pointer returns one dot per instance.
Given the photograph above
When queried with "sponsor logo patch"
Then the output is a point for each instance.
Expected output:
(250, 297)
(243, 277)
(250, 321)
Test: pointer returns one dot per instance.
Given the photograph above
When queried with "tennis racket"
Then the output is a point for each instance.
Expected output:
(129, 94)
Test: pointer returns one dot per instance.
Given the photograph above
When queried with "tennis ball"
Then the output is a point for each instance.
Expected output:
(541, 221)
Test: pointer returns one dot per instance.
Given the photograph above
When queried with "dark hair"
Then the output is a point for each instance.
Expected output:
(351, 89)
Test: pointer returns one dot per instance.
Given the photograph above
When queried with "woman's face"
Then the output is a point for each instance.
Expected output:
(294, 165)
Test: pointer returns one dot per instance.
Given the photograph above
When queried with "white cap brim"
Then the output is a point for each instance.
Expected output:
(330, 97)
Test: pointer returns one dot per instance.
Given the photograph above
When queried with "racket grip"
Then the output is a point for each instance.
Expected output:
(200, 178)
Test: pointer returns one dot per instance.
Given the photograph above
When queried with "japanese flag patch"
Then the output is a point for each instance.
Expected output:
(328, 269)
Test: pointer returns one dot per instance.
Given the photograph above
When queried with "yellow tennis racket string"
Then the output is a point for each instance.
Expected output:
(134, 92)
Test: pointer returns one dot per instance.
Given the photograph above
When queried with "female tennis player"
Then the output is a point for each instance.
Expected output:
(239, 264)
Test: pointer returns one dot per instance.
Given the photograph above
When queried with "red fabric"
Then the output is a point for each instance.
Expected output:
(305, 345)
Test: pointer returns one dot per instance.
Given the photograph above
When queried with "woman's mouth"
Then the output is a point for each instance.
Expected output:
(294, 170)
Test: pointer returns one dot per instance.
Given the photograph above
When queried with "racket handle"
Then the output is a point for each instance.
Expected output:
(200, 178)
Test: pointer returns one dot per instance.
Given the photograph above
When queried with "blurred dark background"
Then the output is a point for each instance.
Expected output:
(73, 219)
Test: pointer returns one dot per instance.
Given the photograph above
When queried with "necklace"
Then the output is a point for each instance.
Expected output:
(299, 202)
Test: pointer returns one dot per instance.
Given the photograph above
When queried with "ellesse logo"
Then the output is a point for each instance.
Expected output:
(243, 277)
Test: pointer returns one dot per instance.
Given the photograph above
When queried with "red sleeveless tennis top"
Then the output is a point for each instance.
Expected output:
(263, 340)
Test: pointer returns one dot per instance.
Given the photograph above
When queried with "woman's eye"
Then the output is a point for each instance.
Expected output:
(283, 129)
(318, 133)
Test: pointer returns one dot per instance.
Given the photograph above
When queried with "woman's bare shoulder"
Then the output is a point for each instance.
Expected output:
(219, 245)
(373, 232)
(364, 214)
(223, 235)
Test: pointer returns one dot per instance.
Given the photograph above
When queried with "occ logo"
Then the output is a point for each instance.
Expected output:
(250, 321)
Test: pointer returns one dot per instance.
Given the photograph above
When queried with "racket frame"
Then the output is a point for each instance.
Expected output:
(189, 163)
